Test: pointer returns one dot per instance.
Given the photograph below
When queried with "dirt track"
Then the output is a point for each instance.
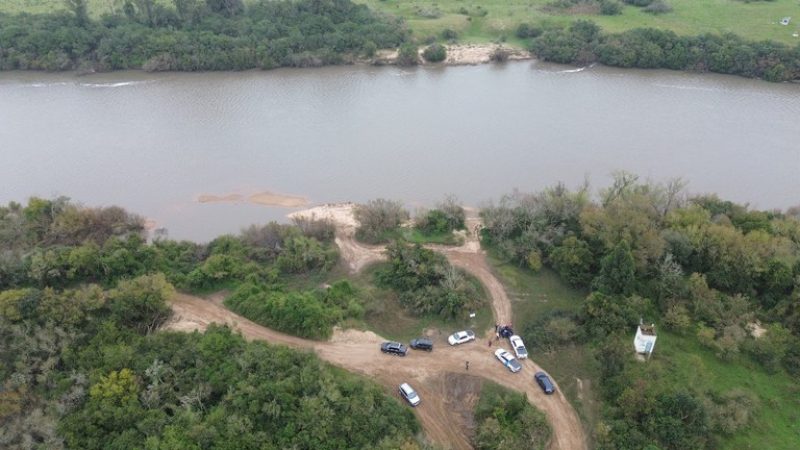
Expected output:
(438, 376)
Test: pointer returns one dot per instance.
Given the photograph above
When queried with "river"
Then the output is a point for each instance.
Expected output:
(153, 143)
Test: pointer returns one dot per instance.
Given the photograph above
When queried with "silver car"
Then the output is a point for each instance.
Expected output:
(408, 393)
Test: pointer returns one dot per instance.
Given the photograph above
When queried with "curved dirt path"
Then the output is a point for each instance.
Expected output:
(432, 374)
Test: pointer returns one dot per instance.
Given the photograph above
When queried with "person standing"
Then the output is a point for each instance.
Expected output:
(466, 366)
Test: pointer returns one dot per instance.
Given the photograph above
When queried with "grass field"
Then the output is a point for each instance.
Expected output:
(681, 361)
(755, 21)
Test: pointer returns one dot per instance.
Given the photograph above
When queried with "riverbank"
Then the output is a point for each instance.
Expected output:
(459, 55)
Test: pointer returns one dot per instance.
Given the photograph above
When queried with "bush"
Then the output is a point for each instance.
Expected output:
(378, 218)
(658, 7)
(408, 55)
(310, 314)
(526, 30)
(500, 54)
(610, 7)
(505, 419)
(435, 53)
(449, 34)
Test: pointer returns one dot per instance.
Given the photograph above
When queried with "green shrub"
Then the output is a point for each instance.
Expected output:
(408, 55)
(435, 53)
(610, 7)
(658, 7)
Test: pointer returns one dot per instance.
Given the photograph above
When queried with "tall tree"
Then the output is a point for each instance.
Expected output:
(617, 271)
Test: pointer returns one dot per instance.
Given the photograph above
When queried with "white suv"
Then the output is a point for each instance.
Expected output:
(408, 393)
(518, 346)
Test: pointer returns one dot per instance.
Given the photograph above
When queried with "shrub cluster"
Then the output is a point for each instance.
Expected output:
(649, 48)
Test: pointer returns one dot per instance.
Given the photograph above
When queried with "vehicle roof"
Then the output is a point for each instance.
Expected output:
(422, 340)
(407, 388)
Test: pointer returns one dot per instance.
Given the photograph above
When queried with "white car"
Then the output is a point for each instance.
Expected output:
(461, 337)
(518, 346)
(408, 393)
(508, 360)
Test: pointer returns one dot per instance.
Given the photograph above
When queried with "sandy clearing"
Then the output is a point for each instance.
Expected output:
(265, 198)
(211, 198)
(471, 54)
(458, 55)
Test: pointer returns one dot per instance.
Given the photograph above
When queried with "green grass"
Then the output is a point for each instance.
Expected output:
(754, 21)
(386, 316)
(776, 422)
(417, 237)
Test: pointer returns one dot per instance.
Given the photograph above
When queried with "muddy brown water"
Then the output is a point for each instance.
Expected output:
(154, 143)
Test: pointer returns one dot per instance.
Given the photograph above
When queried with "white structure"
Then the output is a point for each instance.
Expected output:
(645, 339)
(786, 20)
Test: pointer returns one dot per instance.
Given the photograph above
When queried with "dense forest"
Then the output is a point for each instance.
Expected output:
(583, 43)
(709, 271)
(192, 35)
(82, 364)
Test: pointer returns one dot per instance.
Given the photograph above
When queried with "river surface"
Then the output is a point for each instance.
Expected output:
(153, 143)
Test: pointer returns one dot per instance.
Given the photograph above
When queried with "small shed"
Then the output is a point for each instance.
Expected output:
(645, 340)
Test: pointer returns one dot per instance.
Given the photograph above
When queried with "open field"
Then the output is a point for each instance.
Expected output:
(492, 20)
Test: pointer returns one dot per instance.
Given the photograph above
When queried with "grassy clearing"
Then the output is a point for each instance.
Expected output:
(386, 316)
(776, 422)
(755, 21)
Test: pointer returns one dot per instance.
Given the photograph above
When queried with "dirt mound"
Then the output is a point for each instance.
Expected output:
(351, 336)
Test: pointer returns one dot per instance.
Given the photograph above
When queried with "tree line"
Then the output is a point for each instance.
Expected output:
(648, 48)
(701, 267)
(193, 35)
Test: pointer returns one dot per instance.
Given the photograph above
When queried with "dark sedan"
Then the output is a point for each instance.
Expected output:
(394, 348)
(544, 382)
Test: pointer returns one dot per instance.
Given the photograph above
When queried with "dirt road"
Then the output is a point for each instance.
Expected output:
(448, 391)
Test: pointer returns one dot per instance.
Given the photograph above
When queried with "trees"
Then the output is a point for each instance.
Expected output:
(617, 271)
(197, 35)
(652, 48)
(505, 419)
(141, 303)
(79, 9)
(377, 218)
(427, 283)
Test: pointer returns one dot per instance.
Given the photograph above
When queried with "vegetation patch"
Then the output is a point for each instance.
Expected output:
(386, 315)
(700, 267)
(310, 314)
(195, 35)
(505, 419)
(427, 283)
